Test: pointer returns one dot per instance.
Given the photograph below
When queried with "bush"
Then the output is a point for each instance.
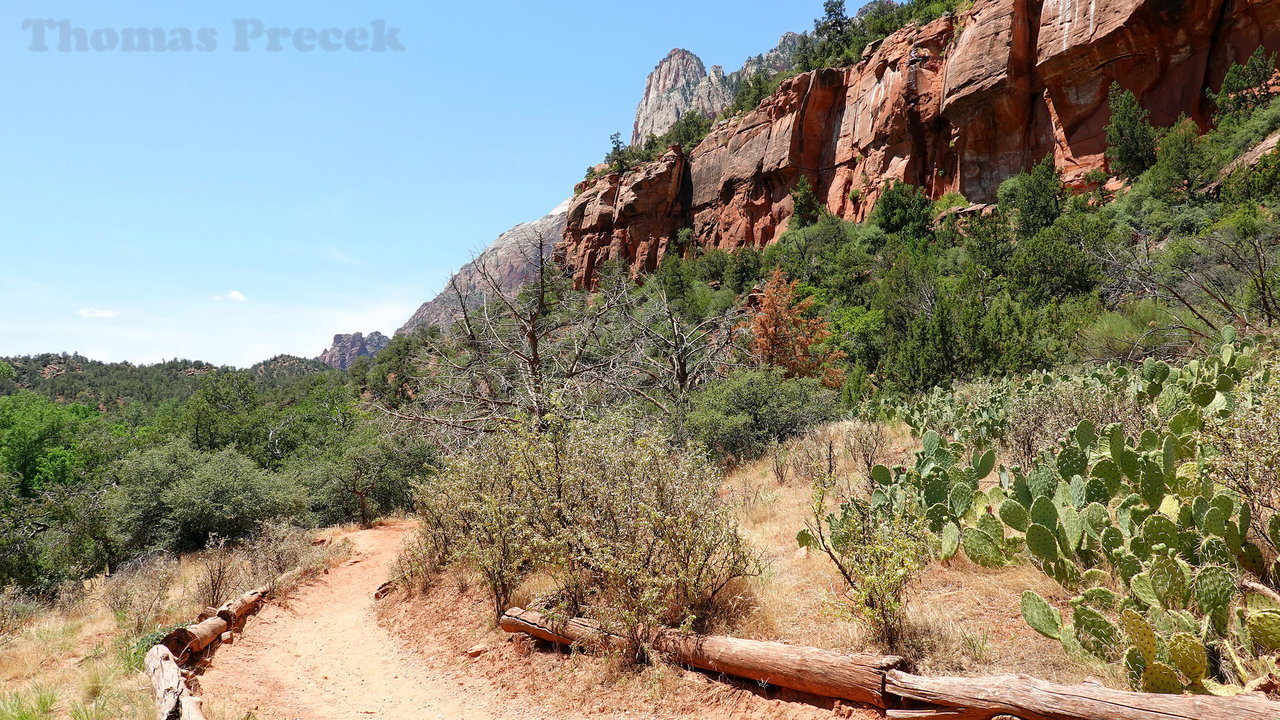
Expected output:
(229, 496)
(742, 414)
(173, 497)
(1248, 452)
(630, 530)
(878, 550)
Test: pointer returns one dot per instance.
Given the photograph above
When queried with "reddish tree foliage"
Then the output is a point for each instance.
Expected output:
(784, 336)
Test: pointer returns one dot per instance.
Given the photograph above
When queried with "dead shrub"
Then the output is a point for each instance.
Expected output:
(866, 443)
(221, 572)
(16, 610)
(138, 593)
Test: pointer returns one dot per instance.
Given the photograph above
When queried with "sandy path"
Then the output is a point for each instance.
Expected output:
(323, 656)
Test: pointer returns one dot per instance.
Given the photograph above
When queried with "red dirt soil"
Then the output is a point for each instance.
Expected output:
(323, 655)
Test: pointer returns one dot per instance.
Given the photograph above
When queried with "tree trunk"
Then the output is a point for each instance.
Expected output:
(875, 680)
(1032, 699)
(166, 681)
(858, 678)
(236, 610)
(194, 638)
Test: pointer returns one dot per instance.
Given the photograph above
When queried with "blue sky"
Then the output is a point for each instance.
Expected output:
(230, 206)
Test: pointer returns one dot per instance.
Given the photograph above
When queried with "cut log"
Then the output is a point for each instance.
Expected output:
(166, 682)
(858, 678)
(192, 708)
(236, 610)
(194, 638)
(1032, 699)
(577, 631)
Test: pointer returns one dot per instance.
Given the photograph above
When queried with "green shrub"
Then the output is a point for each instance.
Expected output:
(1131, 140)
(630, 530)
(743, 413)
(878, 550)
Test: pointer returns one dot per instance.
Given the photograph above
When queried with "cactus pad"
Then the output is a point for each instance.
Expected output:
(1043, 511)
(1139, 633)
(1160, 678)
(1264, 630)
(1040, 615)
(1168, 579)
(1014, 514)
(1189, 656)
(1095, 632)
(1041, 542)
(981, 548)
(1072, 461)
(950, 540)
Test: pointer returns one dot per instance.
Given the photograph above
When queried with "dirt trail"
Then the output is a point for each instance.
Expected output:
(323, 656)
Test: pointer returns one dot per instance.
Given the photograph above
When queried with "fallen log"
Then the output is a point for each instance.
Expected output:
(576, 631)
(235, 610)
(194, 638)
(166, 682)
(192, 708)
(858, 678)
(1031, 699)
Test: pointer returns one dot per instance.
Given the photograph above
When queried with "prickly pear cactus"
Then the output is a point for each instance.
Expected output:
(1160, 678)
(1264, 630)
(1213, 588)
(1041, 543)
(1014, 514)
(1041, 616)
(1189, 656)
(981, 548)
(1141, 635)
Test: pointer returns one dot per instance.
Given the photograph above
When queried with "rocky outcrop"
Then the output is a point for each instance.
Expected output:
(506, 259)
(957, 105)
(346, 348)
(681, 84)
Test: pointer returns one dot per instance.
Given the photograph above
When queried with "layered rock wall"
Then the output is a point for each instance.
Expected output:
(957, 105)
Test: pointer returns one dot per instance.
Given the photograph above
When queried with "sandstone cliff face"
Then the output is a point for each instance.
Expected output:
(681, 84)
(957, 105)
(506, 258)
(346, 348)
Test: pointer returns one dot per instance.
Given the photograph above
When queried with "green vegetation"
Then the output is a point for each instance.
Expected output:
(838, 40)
(169, 457)
(688, 131)
(629, 530)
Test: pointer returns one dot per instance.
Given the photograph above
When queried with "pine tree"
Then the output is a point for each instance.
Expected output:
(1131, 140)
(783, 335)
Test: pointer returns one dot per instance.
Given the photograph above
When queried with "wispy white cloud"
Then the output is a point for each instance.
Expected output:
(233, 295)
(92, 312)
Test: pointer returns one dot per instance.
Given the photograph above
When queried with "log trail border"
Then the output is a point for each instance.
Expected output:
(878, 681)
(194, 644)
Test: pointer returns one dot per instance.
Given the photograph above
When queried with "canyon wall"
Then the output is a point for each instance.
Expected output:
(955, 106)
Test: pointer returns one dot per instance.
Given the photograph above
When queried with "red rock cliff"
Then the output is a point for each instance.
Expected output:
(957, 105)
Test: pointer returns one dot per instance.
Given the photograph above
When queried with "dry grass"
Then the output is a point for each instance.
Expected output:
(81, 659)
(962, 619)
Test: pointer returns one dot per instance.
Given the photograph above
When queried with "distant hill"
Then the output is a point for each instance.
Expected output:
(76, 378)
